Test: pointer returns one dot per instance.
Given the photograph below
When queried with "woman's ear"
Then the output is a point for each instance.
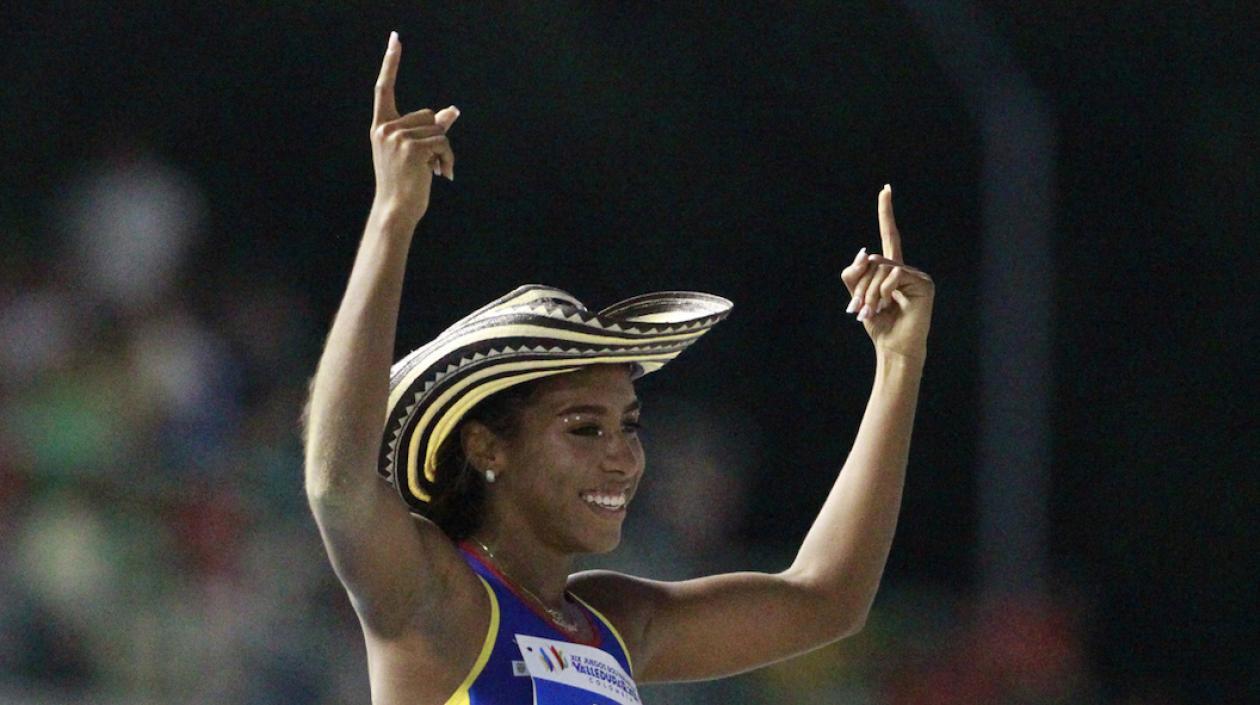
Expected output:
(481, 447)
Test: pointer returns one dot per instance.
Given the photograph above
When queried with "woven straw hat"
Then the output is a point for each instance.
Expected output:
(532, 332)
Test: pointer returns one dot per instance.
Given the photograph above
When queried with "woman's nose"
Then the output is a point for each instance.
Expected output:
(620, 454)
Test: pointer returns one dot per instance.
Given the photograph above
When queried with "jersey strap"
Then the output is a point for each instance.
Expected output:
(613, 630)
(460, 696)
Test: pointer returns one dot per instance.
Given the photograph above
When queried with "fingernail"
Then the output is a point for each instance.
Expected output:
(883, 304)
(864, 314)
(889, 187)
(853, 304)
(437, 171)
(862, 253)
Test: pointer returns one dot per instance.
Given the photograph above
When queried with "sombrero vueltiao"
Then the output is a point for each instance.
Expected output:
(532, 332)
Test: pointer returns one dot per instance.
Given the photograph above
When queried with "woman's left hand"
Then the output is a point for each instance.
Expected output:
(893, 300)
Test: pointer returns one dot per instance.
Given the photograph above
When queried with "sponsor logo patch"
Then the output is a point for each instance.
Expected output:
(565, 673)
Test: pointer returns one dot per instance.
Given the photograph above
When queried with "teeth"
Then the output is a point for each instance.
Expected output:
(607, 501)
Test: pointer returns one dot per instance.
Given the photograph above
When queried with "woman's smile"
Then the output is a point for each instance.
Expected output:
(608, 502)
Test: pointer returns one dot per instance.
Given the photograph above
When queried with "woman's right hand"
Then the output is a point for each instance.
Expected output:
(892, 299)
(408, 150)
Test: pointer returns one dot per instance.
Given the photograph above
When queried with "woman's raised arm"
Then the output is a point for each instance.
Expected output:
(725, 624)
(844, 553)
(389, 562)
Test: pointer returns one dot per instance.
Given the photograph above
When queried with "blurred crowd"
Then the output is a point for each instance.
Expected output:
(156, 547)
(154, 540)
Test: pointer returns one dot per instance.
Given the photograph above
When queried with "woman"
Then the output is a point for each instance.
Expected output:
(527, 454)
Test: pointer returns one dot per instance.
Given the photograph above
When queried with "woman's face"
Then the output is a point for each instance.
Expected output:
(574, 465)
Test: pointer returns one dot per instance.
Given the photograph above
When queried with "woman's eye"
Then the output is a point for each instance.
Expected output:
(595, 431)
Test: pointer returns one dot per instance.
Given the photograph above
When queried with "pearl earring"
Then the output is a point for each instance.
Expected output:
(489, 476)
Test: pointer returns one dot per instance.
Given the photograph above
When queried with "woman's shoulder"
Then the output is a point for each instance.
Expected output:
(625, 600)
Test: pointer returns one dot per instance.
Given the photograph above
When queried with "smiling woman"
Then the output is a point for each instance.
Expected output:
(510, 447)
(530, 334)
(574, 465)
(459, 488)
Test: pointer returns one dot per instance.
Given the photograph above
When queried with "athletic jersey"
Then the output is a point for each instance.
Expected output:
(527, 659)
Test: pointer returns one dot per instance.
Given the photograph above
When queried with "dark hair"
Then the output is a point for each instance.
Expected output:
(459, 494)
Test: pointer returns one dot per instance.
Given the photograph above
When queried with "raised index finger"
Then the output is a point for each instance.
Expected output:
(889, 236)
(383, 108)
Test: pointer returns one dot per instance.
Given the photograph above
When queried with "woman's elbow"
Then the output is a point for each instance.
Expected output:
(851, 622)
(837, 612)
(843, 618)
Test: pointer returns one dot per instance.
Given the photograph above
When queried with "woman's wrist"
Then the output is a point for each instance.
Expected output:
(392, 219)
(918, 354)
(898, 364)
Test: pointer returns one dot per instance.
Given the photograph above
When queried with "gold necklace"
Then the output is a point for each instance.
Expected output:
(559, 617)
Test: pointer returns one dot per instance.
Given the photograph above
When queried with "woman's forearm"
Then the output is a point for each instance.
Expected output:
(348, 395)
(844, 553)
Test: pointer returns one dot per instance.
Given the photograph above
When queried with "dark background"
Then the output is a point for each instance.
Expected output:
(737, 148)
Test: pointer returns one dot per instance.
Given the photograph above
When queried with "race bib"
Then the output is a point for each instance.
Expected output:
(573, 674)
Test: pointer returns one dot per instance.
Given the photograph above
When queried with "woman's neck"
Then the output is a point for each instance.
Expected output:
(541, 570)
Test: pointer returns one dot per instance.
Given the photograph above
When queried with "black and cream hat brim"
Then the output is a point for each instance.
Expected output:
(532, 332)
